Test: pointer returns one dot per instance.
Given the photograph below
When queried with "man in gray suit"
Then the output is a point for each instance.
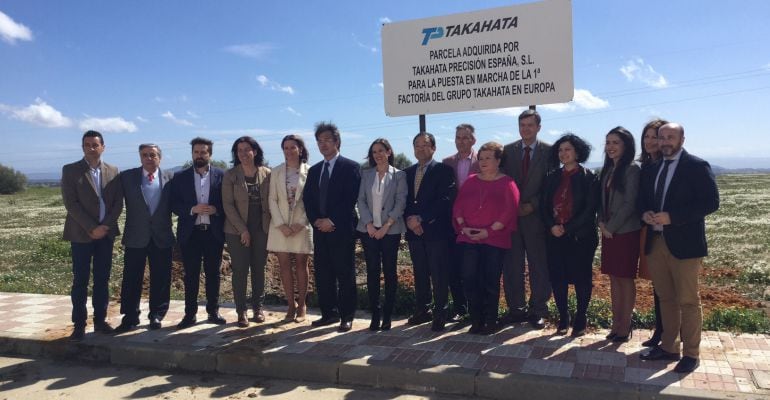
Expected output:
(527, 163)
(148, 237)
(92, 197)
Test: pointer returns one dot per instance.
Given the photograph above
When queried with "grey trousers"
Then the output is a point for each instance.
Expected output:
(528, 241)
(244, 259)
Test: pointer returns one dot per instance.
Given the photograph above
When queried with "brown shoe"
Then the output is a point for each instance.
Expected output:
(259, 316)
(242, 321)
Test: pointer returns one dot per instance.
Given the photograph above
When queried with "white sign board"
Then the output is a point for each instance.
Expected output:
(501, 57)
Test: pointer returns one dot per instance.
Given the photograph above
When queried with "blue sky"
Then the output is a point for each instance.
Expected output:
(168, 71)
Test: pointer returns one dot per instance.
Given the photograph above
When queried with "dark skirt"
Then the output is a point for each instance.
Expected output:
(571, 259)
(620, 255)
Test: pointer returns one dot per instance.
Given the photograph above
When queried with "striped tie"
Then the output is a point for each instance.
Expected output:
(418, 179)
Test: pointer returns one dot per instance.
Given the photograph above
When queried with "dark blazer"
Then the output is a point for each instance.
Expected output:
(692, 194)
(455, 158)
(140, 226)
(538, 168)
(82, 203)
(183, 199)
(433, 202)
(341, 197)
(585, 202)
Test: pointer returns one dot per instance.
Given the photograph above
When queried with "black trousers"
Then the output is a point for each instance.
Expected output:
(335, 273)
(456, 284)
(134, 262)
(430, 260)
(381, 256)
(201, 246)
(482, 269)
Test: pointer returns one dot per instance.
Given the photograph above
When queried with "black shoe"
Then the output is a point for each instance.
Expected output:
(215, 318)
(578, 332)
(623, 339)
(654, 341)
(375, 324)
(476, 328)
(489, 328)
(514, 318)
(686, 365)
(187, 321)
(103, 327)
(420, 318)
(659, 354)
(438, 324)
(125, 327)
(323, 321)
(611, 336)
(155, 324)
(78, 333)
(345, 326)
(386, 324)
(563, 327)
(536, 322)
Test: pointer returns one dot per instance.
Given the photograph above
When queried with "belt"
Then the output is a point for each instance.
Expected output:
(202, 227)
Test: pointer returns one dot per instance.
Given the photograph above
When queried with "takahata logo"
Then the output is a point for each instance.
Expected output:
(469, 28)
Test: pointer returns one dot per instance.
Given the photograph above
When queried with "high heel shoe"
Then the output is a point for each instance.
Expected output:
(301, 314)
(623, 339)
(653, 341)
(611, 336)
(290, 313)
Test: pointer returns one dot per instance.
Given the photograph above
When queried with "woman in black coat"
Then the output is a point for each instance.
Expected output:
(568, 205)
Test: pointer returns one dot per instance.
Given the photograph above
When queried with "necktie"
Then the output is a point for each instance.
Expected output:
(525, 163)
(150, 177)
(324, 187)
(660, 187)
(418, 179)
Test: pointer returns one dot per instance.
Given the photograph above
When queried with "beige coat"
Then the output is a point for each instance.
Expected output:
(82, 202)
(235, 199)
(280, 214)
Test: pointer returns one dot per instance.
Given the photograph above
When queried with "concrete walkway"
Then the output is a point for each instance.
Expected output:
(517, 362)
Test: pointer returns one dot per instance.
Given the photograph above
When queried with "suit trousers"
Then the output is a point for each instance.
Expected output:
(482, 266)
(456, 285)
(134, 262)
(244, 260)
(527, 241)
(381, 258)
(335, 274)
(201, 246)
(430, 261)
(676, 283)
(83, 254)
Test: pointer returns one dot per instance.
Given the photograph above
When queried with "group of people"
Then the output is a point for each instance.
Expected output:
(469, 222)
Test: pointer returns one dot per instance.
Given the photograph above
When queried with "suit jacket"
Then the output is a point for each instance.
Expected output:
(341, 197)
(538, 167)
(393, 199)
(692, 194)
(235, 199)
(585, 203)
(141, 226)
(454, 159)
(82, 202)
(433, 203)
(278, 200)
(183, 199)
(620, 214)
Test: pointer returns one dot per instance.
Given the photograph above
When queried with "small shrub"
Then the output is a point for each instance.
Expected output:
(52, 249)
(737, 319)
(11, 181)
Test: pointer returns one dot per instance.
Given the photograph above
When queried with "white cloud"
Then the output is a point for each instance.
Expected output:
(179, 121)
(39, 113)
(250, 50)
(141, 119)
(363, 45)
(582, 99)
(554, 132)
(12, 31)
(638, 70)
(293, 111)
(110, 124)
(192, 114)
(508, 112)
(385, 20)
(273, 85)
(177, 99)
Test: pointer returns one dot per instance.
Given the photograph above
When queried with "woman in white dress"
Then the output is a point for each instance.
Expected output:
(290, 234)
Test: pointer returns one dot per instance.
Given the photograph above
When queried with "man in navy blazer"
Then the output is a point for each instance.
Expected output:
(675, 195)
(148, 238)
(431, 192)
(196, 199)
(330, 195)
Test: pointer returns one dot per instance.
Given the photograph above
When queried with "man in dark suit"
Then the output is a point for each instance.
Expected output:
(329, 196)
(464, 163)
(147, 237)
(92, 197)
(675, 195)
(431, 192)
(526, 161)
(196, 199)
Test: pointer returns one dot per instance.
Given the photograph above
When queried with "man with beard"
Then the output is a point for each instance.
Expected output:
(675, 195)
(196, 198)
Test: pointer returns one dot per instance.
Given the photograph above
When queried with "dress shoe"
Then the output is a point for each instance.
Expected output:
(686, 365)
(125, 327)
(155, 324)
(420, 318)
(476, 328)
(374, 325)
(78, 333)
(259, 316)
(323, 321)
(103, 327)
(490, 328)
(576, 333)
(215, 318)
(386, 324)
(345, 326)
(187, 321)
(563, 327)
(514, 318)
(623, 339)
(654, 341)
(659, 354)
(536, 322)
(242, 322)
(438, 324)
(611, 336)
